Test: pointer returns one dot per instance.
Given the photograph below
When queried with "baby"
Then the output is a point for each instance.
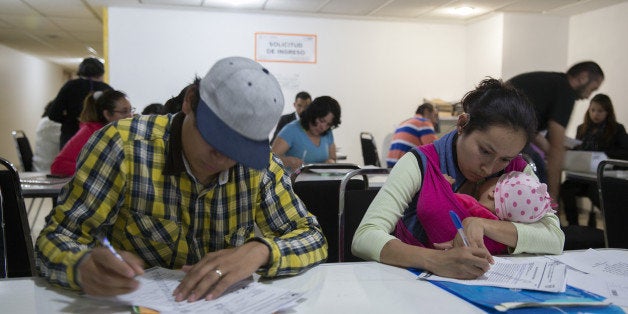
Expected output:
(515, 196)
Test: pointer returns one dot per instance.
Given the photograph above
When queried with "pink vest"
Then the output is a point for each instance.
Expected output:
(435, 201)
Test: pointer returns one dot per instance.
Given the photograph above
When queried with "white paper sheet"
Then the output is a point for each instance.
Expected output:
(534, 274)
(157, 284)
(610, 269)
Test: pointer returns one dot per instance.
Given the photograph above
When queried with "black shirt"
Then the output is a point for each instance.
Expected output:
(550, 94)
(68, 105)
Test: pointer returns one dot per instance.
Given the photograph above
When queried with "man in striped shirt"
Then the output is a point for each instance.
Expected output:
(184, 191)
(416, 131)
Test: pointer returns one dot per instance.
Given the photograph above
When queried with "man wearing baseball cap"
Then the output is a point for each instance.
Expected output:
(184, 191)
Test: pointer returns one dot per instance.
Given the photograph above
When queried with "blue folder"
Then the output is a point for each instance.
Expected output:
(488, 298)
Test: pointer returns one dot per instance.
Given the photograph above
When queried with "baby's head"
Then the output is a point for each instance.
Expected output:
(520, 197)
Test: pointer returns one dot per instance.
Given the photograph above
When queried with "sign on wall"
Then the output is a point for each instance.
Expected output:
(278, 47)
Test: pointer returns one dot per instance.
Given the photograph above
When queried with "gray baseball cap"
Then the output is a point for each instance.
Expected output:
(240, 103)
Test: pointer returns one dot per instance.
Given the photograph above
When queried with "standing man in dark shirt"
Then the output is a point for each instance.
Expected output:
(553, 95)
(68, 104)
(301, 101)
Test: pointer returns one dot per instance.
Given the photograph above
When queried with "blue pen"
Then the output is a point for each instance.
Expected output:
(458, 224)
(105, 242)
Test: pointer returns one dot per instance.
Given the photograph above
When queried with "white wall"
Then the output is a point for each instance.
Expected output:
(601, 36)
(484, 40)
(379, 71)
(534, 43)
(27, 83)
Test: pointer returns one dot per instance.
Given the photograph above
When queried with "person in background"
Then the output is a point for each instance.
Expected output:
(154, 108)
(100, 108)
(46, 142)
(174, 104)
(599, 132)
(399, 226)
(436, 120)
(416, 131)
(68, 104)
(301, 101)
(553, 96)
(310, 139)
(184, 191)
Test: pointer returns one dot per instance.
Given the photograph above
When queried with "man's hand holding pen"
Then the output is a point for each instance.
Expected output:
(102, 273)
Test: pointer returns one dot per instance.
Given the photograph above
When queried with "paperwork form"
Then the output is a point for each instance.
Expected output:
(157, 284)
(537, 274)
(610, 269)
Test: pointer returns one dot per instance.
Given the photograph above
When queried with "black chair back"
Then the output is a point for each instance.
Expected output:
(613, 199)
(320, 197)
(24, 150)
(353, 203)
(16, 236)
(369, 150)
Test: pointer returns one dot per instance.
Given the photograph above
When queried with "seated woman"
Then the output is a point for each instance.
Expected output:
(99, 109)
(408, 221)
(599, 132)
(309, 139)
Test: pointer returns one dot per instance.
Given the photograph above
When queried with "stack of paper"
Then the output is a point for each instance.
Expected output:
(157, 285)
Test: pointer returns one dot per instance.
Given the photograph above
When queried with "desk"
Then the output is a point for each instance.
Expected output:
(592, 176)
(33, 190)
(365, 287)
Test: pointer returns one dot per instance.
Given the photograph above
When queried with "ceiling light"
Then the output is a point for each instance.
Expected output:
(463, 10)
(232, 3)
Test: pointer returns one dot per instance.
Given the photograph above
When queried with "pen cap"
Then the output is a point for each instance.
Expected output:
(455, 219)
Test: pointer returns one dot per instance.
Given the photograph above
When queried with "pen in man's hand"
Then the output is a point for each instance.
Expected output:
(458, 224)
(105, 242)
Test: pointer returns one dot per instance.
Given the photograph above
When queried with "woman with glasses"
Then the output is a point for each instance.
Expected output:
(309, 139)
(99, 109)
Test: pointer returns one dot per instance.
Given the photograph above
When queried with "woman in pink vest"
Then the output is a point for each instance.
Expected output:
(408, 222)
(99, 109)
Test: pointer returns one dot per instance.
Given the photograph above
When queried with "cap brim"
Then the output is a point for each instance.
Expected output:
(251, 153)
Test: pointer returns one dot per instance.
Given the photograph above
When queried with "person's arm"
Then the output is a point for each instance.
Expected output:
(86, 206)
(291, 242)
(58, 109)
(619, 149)
(555, 156)
(280, 147)
(373, 241)
(543, 236)
(332, 154)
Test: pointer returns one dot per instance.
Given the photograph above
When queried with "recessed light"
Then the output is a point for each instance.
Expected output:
(463, 10)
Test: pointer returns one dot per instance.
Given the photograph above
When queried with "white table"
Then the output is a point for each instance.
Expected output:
(33, 185)
(366, 287)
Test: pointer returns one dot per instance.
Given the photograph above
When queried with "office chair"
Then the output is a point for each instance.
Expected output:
(16, 236)
(613, 200)
(352, 205)
(369, 149)
(320, 196)
(24, 150)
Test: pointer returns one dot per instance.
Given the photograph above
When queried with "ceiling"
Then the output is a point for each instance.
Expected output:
(65, 31)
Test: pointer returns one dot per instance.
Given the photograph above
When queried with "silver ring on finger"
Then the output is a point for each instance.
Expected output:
(218, 272)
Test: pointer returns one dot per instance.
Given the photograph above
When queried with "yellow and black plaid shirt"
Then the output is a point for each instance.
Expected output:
(131, 185)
